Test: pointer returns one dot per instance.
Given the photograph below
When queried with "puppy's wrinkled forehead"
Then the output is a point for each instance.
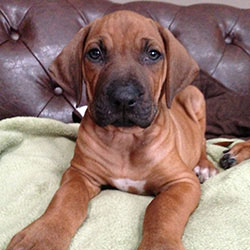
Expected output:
(123, 28)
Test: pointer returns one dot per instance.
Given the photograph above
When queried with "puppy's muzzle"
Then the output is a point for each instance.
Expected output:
(123, 104)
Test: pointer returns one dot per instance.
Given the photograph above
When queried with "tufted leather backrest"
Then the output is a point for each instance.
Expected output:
(32, 33)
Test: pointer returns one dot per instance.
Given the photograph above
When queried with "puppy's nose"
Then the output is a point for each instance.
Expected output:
(125, 96)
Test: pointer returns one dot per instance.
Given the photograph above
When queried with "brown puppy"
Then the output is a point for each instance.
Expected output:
(143, 131)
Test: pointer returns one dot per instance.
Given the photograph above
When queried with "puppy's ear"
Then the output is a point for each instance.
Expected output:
(181, 67)
(66, 69)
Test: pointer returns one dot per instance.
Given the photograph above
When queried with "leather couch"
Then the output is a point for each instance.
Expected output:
(32, 33)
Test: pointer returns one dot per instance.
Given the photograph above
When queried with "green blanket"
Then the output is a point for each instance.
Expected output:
(35, 152)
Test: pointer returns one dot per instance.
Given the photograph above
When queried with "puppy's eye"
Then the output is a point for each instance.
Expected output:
(95, 55)
(154, 55)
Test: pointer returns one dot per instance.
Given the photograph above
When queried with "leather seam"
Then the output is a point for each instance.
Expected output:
(82, 15)
(231, 31)
(177, 12)
(45, 106)
(219, 61)
(235, 23)
(36, 58)
(5, 17)
(4, 42)
(225, 45)
(24, 17)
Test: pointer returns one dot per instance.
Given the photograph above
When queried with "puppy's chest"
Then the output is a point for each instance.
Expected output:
(136, 177)
(136, 168)
(128, 178)
(129, 185)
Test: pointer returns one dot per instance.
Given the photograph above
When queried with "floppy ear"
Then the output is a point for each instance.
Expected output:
(181, 67)
(66, 69)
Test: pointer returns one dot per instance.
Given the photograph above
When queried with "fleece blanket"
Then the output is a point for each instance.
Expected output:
(35, 152)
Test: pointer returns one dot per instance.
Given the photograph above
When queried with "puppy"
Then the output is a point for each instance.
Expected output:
(143, 131)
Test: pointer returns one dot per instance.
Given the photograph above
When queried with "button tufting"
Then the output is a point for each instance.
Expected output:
(14, 35)
(228, 39)
(58, 91)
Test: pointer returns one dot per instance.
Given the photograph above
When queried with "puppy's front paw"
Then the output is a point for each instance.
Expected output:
(205, 170)
(39, 236)
(238, 153)
(227, 160)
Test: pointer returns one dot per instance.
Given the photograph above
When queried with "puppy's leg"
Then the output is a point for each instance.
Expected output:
(66, 212)
(205, 168)
(238, 153)
(167, 215)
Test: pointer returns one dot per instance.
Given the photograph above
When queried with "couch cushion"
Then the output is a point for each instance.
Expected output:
(228, 113)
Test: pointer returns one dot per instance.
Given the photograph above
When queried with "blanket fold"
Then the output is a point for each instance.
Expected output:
(34, 153)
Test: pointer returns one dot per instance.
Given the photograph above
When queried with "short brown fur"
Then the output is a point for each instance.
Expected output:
(156, 160)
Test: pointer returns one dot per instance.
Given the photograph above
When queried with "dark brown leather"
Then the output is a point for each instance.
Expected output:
(228, 113)
(32, 33)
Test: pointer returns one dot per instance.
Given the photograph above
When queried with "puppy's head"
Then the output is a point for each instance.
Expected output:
(128, 63)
